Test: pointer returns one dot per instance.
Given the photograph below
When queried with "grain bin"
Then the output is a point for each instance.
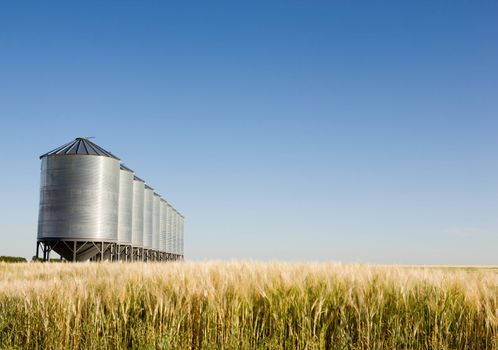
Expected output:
(148, 217)
(182, 220)
(178, 235)
(175, 231)
(79, 198)
(92, 207)
(162, 225)
(172, 230)
(169, 228)
(156, 217)
(125, 216)
(137, 234)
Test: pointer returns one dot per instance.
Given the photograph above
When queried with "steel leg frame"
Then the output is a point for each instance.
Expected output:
(72, 250)
(137, 254)
(104, 251)
(123, 252)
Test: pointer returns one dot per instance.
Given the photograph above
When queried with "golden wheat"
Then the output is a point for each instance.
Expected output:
(246, 305)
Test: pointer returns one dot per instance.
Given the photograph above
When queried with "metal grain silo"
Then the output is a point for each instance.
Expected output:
(168, 228)
(178, 233)
(172, 230)
(162, 226)
(125, 216)
(182, 220)
(137, 233)
(148, 217)
(79, 198)
(175, 231)
(156, 217)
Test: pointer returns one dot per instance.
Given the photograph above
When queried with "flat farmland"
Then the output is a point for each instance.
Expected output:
(246, 305)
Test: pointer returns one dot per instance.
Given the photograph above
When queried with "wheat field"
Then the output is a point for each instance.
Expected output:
(246, 305)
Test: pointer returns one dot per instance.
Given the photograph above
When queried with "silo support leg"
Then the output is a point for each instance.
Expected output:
(46, 252)
(37, 250)
(74, 251)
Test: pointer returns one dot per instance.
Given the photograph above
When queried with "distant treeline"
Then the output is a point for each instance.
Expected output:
(12, 259)
(34, 259)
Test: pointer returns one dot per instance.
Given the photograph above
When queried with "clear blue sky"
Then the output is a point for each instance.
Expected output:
(291, 130)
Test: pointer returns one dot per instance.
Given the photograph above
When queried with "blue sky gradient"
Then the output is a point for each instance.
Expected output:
(283, 130)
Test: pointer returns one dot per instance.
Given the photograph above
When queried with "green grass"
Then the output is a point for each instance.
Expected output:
(232, 305)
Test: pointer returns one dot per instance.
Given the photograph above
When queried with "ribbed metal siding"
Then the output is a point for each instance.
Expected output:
(137, 234)
(175, 232)
(168, 228)
(162, 225)
(172, 231)
(182, 237)
(79, 197)
(178, 235)
(148, 207)
(156, 217)
(125, 213)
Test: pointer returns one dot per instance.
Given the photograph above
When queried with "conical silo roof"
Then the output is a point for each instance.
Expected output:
(135, 177)
(124, 167)
(82, 146)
